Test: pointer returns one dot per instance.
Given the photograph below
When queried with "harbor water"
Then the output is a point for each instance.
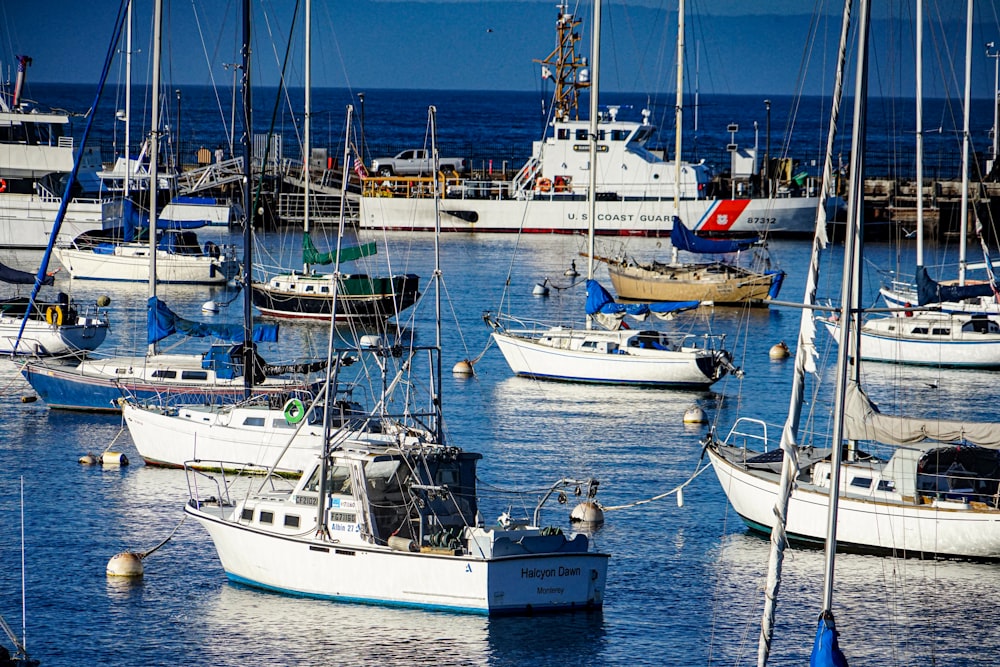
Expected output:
(685, 581)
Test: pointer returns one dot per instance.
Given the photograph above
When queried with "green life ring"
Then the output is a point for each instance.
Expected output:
(295, 411)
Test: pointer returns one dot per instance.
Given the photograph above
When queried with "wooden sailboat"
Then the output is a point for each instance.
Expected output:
(719, 282)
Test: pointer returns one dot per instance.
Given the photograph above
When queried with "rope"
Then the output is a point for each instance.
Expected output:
(676, 489)
(115, 439)
(143, 554)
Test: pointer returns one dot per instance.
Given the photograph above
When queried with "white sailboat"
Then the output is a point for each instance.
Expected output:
(934, 494)
(610, 356)
(958, 334)
(388, 514)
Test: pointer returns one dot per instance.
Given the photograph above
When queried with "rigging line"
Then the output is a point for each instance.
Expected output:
(121, 430)
(143, 554)
(208, 62)
(676, 489)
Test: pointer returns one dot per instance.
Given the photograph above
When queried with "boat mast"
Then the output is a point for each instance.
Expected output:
(306, 126)
(566, 105)
(153, 151)
(920, 134)
(805, 355)
(964, 231)
(248, 205)
(128, 102)
(436, 392)
(678, 117)
(595, 55)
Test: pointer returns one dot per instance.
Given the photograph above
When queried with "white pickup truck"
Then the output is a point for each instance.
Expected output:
(415, 162)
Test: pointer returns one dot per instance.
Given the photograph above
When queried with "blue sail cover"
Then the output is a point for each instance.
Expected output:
(14, 276)
(162, 322)
(826, 650)
(684, 239)
(931, 291)
(599, 300)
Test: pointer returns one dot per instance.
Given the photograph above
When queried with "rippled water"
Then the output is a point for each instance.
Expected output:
(684, 583)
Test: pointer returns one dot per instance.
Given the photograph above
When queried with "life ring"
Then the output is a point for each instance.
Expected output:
(3, 185)
(543, 184)
(54, 315)
(295, 411)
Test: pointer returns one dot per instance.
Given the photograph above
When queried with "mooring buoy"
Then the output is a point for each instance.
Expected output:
(779, 351)
(464, 367)
(125, 564)
(695, 415)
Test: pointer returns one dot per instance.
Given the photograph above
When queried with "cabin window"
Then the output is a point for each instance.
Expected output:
(325, 289)
(862, 482)
(291, 521)
(892, 327)
(122, 371)
(266, 517)
(886, 485)
(338, 480)
(589, 345)
(619, 135)
(310, 288)
(247, 513)
(940, 331)
(253, 421)
(200, 376)
(581, 135)
(166, 375)
(920, 330)
(562, 133)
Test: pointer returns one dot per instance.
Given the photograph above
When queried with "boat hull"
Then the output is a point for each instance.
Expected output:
(26, 220)
(42, 339)
(323, 569)
(958, 349)
(72, 387)
(530, 358)
(555, 214)
(636, 283)
(946, 529)
(359, 298)
(130, 263)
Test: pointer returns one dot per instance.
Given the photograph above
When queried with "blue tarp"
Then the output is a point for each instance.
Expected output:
(826, 651)
(599, 300)
(162, 322)
(684, 239)
(931, 291)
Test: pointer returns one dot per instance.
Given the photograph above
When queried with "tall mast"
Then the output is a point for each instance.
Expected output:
(306, 125)
(679, 108)
(595, 55)
(248, 205)
(153, 150)
(920, 133)
(128, 101)
(964, 232)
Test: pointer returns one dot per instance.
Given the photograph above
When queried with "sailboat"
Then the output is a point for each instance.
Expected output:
(388, 513)
(956, 334)
(54, 328)
(226, 372)
(308, 295)
(936, 492)
(610, 356)
(719, 282)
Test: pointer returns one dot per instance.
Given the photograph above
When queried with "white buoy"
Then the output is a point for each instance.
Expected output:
(541, 289)
(114, 459)
(779, 351)
(88, 460)
(587, 512)
(680, 497)
(210, 307)
(464, 367)
(571, 271)
(125, 564)
(695, 415)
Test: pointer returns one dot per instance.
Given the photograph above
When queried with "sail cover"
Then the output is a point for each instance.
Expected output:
(684, 239)
(931, 291)
(599, 300)
(162, 322)
(863, 421)
(310, 255)
(14, 276)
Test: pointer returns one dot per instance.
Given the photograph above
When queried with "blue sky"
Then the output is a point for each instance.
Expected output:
(742, 46)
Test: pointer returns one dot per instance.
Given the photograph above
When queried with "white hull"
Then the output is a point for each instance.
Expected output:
(927, 340)
(217, 215)
(43, 339)
(26, 220)
(794, 215)
(883, 521)
(299, 564)
(198, 433)
(130, 263)
(554, 359)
